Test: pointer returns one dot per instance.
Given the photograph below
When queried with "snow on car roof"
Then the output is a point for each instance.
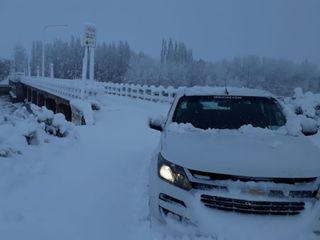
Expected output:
(232, 91)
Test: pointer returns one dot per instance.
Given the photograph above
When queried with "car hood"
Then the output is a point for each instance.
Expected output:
(236, 153)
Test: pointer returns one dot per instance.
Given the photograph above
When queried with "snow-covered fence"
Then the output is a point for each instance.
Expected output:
(72, 89)
(151, 93)
(64, 88)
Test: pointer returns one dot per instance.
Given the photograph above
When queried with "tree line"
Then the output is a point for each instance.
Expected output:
(176, 66)
(4, 68)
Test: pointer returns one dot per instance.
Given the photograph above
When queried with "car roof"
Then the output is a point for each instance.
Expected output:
(232, 91)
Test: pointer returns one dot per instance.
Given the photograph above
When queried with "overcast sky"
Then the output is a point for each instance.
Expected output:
(213, 29)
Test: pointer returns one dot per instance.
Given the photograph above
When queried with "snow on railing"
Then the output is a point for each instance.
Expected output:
(150, 93)
(72, 89)
(64, 88)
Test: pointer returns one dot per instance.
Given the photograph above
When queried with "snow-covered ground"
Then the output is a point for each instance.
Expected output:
(91, 184)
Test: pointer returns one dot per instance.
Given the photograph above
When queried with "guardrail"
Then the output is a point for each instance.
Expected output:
(66, 89)
(72, 89)
(150, 93)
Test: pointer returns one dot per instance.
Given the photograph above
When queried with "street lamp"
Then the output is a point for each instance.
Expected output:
(43, 45)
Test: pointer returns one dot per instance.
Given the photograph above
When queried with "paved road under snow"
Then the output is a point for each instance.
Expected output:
(91, 188)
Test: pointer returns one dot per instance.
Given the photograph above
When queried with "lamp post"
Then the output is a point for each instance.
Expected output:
(43, 45)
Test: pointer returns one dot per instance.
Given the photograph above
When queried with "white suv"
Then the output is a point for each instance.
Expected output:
(230, 151)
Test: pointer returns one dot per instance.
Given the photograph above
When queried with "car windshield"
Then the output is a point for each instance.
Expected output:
(229, 112)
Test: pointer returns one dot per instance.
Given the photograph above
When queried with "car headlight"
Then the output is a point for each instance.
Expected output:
(173, 174)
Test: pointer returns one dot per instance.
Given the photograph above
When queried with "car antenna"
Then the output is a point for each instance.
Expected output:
(225, 87)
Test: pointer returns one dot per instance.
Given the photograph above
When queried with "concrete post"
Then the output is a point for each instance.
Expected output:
(34, 97)
(40, 100)
(59, 108)
(27, 94)
(37, 99)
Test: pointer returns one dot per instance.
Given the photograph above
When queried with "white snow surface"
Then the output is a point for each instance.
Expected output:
(229, 151)
(85, 107)
(93, 185)
(232, 91)
(308, 102)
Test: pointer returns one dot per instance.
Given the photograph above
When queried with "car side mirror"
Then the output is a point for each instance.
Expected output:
(309, 126)
(157, 123)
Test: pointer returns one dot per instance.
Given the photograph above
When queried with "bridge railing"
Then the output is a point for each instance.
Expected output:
(72, 89)
(151, 93)
(67, 89)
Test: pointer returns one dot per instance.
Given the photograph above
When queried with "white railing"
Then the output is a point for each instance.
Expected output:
(72, 89)
(66, 89)
(151, 93)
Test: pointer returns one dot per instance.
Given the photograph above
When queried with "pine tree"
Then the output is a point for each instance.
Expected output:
(170, 52)
(20, 58)
(164, 48)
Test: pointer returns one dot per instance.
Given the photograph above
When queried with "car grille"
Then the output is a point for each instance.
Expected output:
(224, 177)
(252, 207)
(270, 193)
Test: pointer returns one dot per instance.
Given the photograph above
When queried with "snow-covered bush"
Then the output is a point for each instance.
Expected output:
(54, 124)
(30, 125)
(306, 104)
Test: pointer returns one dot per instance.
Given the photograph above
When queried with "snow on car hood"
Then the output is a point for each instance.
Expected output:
(248, 151)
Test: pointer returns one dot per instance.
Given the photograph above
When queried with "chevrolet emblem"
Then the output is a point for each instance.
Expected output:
(256, 192)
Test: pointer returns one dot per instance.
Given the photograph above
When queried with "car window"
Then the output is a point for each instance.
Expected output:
(229, 112)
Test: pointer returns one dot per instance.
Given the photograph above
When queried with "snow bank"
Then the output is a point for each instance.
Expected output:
(307, 103)
(30, 125)
(55, 124)
(302, 111)
(246, 129)
(84, 109)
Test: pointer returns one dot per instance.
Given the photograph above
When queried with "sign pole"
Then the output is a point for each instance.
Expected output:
(89, 42)
(85, 64)
(84, 71)
(91, 64)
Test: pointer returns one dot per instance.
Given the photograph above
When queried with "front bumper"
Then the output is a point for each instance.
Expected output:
(188, 206)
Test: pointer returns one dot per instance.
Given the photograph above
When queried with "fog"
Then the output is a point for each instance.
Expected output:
(213, 29)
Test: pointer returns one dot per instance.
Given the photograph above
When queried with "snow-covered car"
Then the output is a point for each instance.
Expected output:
(232, 151)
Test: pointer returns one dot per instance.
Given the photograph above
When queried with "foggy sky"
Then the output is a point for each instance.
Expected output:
(213, 29)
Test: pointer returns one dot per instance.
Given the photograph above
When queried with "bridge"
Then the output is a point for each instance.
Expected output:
(89, 187)
(60, 95)
(71, 187)
(55, 94)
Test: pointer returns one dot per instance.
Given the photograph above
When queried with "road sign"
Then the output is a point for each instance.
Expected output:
(89, 37)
